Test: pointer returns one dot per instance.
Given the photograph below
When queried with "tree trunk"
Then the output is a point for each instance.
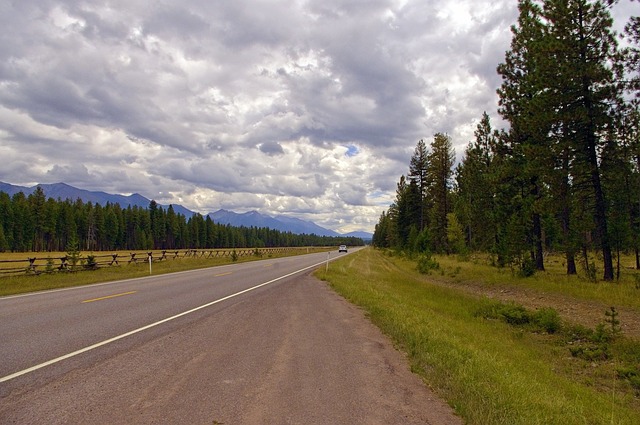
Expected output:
(590, 142)
(600, 206)
(538, 256)
(565, 215)
(571, 264)
(537, 236)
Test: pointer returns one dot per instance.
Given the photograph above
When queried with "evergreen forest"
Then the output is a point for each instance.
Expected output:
(35, 223)
(563, 178)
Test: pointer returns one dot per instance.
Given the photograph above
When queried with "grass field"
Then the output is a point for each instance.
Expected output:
(495, 371)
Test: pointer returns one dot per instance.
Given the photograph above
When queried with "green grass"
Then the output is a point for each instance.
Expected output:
(11, 285)
(625, 292)
(489, 371)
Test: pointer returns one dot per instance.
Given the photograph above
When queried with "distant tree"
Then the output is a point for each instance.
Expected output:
(455, 235)
(407, 211)
(418, 172)
(112, 228)
(37, 202)
(22, 223)
(475, 189)
(4, 245)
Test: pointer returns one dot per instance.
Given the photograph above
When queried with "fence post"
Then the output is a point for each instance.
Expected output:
(32, 267)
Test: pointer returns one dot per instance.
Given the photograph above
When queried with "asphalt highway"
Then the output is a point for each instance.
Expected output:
(258, 342)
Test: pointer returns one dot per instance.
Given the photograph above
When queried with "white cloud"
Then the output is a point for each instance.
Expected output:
(308, 108)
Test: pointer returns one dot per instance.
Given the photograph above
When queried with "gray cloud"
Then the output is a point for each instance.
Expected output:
(307, 108)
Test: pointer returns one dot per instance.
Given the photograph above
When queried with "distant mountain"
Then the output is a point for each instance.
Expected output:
(280, 222)
(366, 236)
(63, 191)
(252, 218)
(248, 219)
(308, 227)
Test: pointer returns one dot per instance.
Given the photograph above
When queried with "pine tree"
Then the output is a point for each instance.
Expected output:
(37, 201)
(418, 172)
(575, 63)
(475, 192)
(521, 103)
(440, 175)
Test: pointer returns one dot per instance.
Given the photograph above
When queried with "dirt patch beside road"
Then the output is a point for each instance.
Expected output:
(583, 312)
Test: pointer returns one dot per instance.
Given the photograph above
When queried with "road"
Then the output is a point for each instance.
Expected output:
(250, 343)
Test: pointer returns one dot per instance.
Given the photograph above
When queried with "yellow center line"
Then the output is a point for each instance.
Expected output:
(268, 265)
(109, 296)
(223, 274)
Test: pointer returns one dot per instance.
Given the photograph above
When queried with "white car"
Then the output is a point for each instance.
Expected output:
(343, 248)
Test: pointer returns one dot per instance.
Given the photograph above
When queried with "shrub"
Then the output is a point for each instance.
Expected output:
(514, 314)
(426, 263)
(527, 267)
(49, 267)
(91, 262)
(590, 352)
(631, 374)
(547, 319)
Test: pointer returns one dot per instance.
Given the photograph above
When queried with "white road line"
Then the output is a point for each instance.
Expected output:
(133, 332)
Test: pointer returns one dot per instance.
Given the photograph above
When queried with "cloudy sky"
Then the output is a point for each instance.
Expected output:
(310, 108)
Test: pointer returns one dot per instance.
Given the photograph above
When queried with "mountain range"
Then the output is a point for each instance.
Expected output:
(252, 218)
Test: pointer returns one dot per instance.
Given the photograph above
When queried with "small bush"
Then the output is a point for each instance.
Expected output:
(511, 313)
(49, 267)
(527, 267)
(590, 352)
(547, 319)
(91, 262)
(426, 263)
(602, 335)
(514, 314)
(631, 374)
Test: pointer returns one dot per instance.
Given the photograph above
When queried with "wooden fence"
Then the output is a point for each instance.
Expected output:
(38, 265)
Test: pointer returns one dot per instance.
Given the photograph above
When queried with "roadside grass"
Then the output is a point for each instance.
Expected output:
(489, 371)
(477, 269)
(12, 285)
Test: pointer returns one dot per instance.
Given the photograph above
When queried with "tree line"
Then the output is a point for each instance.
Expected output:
(35, 223)
(564, 177)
